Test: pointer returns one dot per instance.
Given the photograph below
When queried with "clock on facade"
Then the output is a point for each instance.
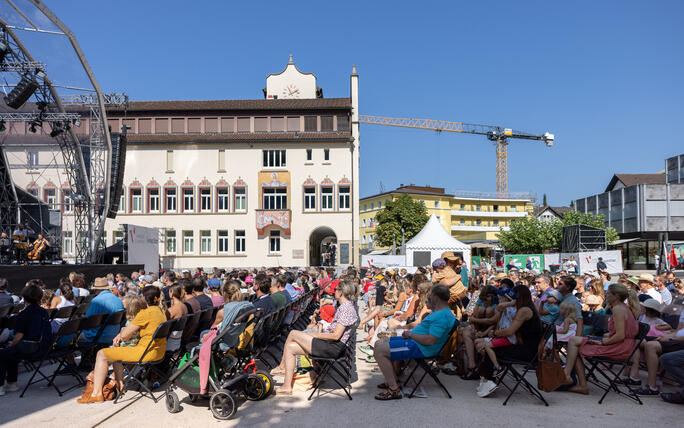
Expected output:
(291, 91)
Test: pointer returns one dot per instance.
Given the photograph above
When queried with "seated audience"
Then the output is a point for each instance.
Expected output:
(214, 285)
(425, 340)
(262, 289)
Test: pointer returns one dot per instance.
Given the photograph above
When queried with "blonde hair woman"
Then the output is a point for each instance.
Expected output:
(618, 343)
(596, 288)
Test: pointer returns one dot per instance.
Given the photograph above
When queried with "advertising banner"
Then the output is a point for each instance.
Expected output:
(587, 261)
(520, 261)
(383, 260)
(143, 247)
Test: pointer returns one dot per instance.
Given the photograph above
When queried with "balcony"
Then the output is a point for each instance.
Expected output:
(459, 228)
(278, 218)
(499, 214)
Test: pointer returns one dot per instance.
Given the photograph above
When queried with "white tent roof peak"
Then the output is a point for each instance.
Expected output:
(434, 236)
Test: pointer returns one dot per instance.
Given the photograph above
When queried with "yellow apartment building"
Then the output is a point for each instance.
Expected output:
(469, 216)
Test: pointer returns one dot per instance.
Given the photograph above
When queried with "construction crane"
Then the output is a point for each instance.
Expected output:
(497, 134)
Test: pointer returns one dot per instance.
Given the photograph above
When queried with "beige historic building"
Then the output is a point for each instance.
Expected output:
(229, 183)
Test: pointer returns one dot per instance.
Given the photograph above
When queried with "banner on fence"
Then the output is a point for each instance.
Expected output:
(520, 261)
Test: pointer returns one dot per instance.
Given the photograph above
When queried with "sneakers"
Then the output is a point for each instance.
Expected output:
(2, 391)
(486, 389)
(672, 397)
(366, 349)
(629, 381)
(498, 371)
(11, 387)
(370, 359)
(646, 390)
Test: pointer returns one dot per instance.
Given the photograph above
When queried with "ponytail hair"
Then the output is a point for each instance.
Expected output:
(66, 291)
(633, 303)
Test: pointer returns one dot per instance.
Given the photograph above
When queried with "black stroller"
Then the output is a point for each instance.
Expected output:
(224, 383)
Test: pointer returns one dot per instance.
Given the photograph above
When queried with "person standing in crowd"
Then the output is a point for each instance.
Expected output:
(670, 281)
(601, 265)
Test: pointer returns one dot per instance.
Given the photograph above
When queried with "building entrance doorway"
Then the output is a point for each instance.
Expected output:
(323, 247)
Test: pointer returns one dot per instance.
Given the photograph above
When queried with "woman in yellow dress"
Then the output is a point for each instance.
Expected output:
(145, 324)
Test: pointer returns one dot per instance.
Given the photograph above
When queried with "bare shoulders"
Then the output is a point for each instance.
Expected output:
(524, 313)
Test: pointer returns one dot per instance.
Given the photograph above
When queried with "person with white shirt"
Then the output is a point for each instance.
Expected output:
(660, 285)
(646, 283)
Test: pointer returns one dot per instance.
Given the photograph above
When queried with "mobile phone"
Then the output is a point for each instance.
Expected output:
(596, 338)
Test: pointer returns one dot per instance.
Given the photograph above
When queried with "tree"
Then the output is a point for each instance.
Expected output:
(402, 212)
(530, 235)
(544, 204)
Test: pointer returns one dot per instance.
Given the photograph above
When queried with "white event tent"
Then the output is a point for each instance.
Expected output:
(431, 242)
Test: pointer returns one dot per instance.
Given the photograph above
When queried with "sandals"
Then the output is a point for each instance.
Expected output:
(471, 375)
(383, 386)
(389, 395)
(90, 399)
(281, 391)
(646, 390)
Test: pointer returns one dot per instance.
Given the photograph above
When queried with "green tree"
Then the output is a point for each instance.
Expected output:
(531, 235)
(402, 212)
(544, 204)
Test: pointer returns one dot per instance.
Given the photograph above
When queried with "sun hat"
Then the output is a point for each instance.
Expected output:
(214, 283)
(651, 304)
(555, 294)
(438, 264)
(592, 299)
(185, 271)
(100, 284)
(646, 277)
(449, 255)
(327, 313)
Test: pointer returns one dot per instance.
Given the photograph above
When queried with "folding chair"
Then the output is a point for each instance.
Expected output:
(6, 311)
(341, 367)
(63, 312)
(610, 369)
(137, 372)
(81, 310)
(519, 377)
(94, 321)
(424, 363)
(56, 351)
(190, 326)
(672, 319)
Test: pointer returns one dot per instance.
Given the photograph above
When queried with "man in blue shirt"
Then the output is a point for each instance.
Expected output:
(425, 340)
(104, 303)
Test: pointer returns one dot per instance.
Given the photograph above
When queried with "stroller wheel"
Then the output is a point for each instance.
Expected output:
(254, 387)
(172, 402)
(223, 404)
(194, 398)
(268, 382)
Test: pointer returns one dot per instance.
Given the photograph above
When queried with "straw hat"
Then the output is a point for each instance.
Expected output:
(450, 256)
(592, 299)
(100, 284)
(646, 277)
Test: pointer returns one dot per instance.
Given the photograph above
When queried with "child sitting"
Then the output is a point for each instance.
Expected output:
(133, 305)
(506, 313)
(549, 310)
(651, 316)
(569, 327)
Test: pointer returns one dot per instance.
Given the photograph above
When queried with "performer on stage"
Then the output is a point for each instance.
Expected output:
(38, 248)
(5, 248)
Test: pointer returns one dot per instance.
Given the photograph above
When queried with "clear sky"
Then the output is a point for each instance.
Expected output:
(604, 76)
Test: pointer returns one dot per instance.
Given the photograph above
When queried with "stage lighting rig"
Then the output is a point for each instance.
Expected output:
(22, 92)
(56, 129)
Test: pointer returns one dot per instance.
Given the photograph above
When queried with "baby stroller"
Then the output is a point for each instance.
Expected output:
(224, 384)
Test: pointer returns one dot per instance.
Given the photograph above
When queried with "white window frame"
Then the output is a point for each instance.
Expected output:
(32, 159)
(274, 158)
(205, 242)
(173, 197)
(205, 199)
(171, 242)
(344, 198)
(222, 200)
(240, 241)
(68, 203)
(513, 208)
(240, 199)
(436, 204)
(274, 242)
(309, 198)
(153, 200)
(222, 241)
(51, 197)
(188, 199)
(68, 242)
(275, 198)
(136, 199)
(188, 242)
(328, 198)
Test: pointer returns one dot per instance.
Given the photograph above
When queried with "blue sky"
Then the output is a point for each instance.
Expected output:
(604, 76)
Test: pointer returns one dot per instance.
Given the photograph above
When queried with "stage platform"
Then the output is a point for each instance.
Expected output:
(18, 275)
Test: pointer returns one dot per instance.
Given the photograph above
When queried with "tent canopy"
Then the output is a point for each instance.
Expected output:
(431, 242)
(435, 237)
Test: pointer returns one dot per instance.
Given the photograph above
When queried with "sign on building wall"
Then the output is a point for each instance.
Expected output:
(520, 261)
(344, 254)
(297, 254)
(143, 247)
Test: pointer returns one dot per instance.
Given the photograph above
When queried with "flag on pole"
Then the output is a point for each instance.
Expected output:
(673, 258)
(666, 254)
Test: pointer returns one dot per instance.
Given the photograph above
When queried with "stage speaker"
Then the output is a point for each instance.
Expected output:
(117, 178)
(21, 93)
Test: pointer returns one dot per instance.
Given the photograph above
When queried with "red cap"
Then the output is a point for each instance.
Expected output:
(327, 313)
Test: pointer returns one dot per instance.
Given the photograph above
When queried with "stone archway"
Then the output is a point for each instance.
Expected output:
(320, 237)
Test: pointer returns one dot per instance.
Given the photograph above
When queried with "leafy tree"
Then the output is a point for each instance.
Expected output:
(531, 235)
(403, 212)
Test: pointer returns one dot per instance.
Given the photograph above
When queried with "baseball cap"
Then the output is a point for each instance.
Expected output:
(214, 283)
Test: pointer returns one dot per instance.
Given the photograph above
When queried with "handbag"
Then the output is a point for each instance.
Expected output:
(550, 374)
(110, 389)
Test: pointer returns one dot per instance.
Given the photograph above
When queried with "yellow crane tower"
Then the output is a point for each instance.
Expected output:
(497, 134)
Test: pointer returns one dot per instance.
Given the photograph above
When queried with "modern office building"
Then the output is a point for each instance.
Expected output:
(229, 183)
(469, 216)
(643, 209)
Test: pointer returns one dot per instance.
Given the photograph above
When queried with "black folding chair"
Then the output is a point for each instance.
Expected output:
(426, 363)
(81, 310)
(610, 369)
(57, 351)
(509, 365)
(672, 319)
(341, 367)
(63, 312)
(137, 372)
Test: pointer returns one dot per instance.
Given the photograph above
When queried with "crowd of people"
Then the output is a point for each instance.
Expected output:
(469, 320)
